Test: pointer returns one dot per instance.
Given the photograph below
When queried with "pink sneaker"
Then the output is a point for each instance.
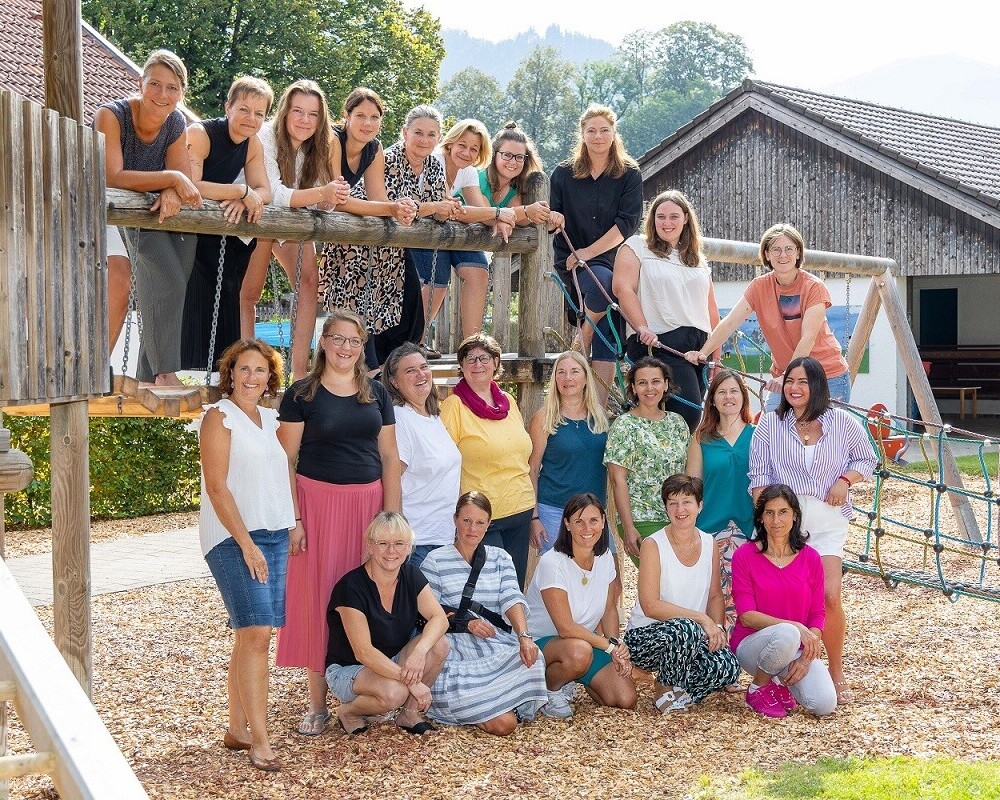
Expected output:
(765, 701)
(784, 696)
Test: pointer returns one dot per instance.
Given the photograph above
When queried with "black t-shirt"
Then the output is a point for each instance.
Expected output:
(591, 207)
(389, 631)
(340, 436)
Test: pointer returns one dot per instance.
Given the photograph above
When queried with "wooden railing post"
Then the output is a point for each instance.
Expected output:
(533, 297)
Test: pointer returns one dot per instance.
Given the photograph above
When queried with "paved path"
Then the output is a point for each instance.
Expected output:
(120, 565)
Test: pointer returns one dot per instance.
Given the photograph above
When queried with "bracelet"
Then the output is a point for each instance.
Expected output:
(416, 213)
(846, 480)
(246, 187)
(498, 212)
(524, 635)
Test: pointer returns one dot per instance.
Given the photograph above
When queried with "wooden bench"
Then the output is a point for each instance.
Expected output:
(961, 391)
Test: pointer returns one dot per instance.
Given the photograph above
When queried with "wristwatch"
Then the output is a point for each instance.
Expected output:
(613, 642)
(524, 635)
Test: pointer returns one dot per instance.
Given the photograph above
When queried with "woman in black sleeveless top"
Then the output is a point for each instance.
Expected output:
(220, 149)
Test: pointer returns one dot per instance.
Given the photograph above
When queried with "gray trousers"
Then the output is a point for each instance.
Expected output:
(162, 265)
(772, 649)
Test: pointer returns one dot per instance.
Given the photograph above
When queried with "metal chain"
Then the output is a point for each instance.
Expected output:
(294, 315)
(847, 316)
(428, 322)
(272, 269)
(130, 248)
(215, 312)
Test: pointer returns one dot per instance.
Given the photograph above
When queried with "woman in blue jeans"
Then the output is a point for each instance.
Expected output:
(246, 515)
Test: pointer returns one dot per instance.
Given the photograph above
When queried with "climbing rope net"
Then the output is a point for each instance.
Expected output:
(907, 539)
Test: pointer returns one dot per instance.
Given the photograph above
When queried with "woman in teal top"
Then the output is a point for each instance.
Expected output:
(503, 182)
(719, 454)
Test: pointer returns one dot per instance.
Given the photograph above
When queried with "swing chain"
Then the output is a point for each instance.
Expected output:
(272, 268)
(294, 315)
(130, 248)
(215, 312)
(847, 314)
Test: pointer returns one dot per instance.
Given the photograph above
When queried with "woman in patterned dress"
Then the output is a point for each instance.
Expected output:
(645, 446)
(376, 282)
(493, 677)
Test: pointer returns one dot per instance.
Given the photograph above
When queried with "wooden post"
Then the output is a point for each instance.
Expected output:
(501, 300)
(896, 314)
(63, 58)
(864, 326)
(531, 304)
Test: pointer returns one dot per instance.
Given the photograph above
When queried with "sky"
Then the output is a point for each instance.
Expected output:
(799, 44)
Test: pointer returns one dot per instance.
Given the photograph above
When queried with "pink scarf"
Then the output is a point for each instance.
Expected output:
(478, 406)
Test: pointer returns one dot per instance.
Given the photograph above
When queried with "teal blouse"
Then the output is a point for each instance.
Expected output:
(727, 487)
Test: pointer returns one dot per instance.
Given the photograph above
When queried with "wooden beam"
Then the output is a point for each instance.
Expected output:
(733, 252)
(863, 327)
(531, 307)
(27, 764)
(907, 348)
(131, 210)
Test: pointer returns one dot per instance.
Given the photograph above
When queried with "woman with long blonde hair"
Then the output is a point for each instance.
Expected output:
(596, 197)
(338, 431)
(568, 436)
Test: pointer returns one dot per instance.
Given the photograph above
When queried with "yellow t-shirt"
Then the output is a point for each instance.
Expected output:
(494, 455)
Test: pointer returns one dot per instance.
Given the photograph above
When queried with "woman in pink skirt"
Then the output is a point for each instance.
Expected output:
(338, 430)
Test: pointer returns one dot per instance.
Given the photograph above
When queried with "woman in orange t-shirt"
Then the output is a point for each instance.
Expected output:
(791, 309)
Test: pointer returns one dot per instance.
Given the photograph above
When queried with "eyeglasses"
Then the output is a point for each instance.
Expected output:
(338, 340)
(485, 358)
(399, 544)
(515, 157)
(790, 250)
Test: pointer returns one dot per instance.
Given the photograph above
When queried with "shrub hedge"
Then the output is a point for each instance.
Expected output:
(137, 467)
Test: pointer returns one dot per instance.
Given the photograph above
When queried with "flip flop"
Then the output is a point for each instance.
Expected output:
(313, 724)
(355, 732)
(845, 696)
(417, 730)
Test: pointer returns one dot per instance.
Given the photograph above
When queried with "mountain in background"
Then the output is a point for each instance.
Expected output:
(500, 59)
(945, 86)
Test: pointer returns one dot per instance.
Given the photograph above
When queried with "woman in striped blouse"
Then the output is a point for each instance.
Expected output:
(820, 452)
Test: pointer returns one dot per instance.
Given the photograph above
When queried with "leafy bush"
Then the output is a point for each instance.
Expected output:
(137, 467)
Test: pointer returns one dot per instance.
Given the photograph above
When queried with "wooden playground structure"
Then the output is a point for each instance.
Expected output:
(54, 360)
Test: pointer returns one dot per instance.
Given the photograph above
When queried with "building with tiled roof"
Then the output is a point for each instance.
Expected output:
(107, 72)
(853, 177)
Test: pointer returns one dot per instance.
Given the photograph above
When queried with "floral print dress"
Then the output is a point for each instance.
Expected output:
(369, 280)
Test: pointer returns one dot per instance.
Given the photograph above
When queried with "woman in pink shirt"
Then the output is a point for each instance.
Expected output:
(778, 591)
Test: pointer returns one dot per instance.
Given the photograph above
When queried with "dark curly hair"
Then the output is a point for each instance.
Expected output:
(227, 361)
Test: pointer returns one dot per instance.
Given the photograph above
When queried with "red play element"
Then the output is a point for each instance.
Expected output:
(878, 423)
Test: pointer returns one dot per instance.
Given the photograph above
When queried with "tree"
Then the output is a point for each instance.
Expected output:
(471, 93)
(660, 116)
(688, 54)
(338, 43)
(540, 98)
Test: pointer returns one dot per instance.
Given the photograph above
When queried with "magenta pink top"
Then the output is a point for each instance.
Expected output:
(793, 592)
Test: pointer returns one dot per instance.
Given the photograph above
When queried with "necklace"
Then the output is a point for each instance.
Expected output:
(803, 429)
(583, 573)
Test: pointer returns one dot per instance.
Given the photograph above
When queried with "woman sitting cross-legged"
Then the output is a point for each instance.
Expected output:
(778, 589)
(493, 676)
(374, 664)
(569, 598)
(676, 627)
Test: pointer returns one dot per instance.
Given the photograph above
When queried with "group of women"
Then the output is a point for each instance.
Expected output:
(386, 535)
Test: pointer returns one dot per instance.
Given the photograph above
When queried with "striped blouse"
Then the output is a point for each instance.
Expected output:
(777, 455)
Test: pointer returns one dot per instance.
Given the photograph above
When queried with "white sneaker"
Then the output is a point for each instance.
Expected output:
(568, 691)
(558, 706)
(676, 699)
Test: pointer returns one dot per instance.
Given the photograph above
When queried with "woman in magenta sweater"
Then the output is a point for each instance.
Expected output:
(778, 591)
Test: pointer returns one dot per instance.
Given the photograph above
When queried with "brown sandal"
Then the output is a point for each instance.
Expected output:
(263, 764)
(230, 742)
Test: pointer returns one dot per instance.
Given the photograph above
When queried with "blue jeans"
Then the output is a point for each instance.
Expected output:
(248, 601)
(420, 552)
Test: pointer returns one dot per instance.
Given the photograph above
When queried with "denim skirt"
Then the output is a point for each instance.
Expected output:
(248, 601)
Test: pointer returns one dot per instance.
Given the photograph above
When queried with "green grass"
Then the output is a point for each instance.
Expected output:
(967, 465)
(861, 779)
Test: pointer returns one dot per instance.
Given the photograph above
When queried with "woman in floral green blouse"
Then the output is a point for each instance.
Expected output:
(645, 447)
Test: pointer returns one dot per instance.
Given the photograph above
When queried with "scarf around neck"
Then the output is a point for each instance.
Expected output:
(478, 406)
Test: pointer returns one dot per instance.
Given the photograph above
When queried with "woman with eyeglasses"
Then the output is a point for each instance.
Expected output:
(338, 431)
(485, 423)
(790, 305)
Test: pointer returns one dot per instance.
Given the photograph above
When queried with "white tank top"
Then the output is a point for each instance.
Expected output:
(686, 587)
(672, 294)
(258, 477)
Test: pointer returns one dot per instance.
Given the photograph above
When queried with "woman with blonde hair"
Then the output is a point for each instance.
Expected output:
(568, 436)
(338, 432)
(244, 526)
(664, 285)
(464, 149)
(596, 197)
(146, 151)
(375, 663)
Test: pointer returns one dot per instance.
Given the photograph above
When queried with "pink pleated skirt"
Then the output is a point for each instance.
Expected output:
(335, 517)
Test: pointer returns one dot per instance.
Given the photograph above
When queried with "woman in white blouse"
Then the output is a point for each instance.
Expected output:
(664, 287)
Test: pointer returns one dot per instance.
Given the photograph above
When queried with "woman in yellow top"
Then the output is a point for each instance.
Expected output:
(487, 426)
